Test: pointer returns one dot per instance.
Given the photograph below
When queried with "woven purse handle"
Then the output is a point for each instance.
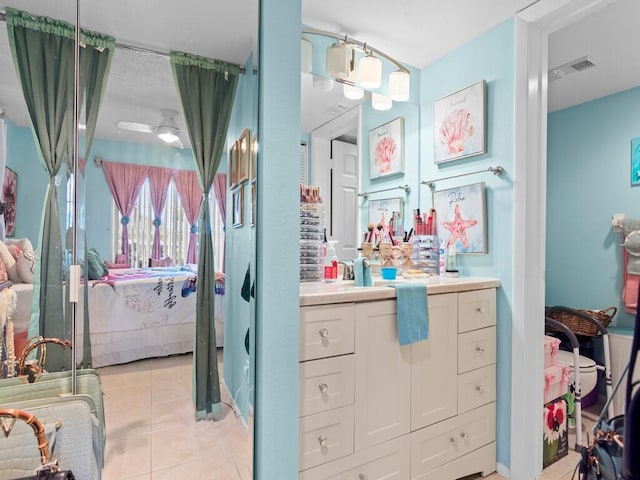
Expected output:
(13, 414)
(38, 367)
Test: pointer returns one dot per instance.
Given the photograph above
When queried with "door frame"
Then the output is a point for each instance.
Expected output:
(533, 25)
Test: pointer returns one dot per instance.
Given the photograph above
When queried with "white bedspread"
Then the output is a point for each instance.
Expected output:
(138, 318)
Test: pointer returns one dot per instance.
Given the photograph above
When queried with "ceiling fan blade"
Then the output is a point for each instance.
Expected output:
(135, 127)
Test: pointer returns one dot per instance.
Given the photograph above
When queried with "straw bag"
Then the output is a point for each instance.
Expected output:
(49, 469)
(580, 321)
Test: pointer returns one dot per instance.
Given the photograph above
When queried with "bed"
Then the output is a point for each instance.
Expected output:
(135, 314)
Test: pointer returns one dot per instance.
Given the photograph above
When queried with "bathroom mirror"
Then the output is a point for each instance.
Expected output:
(335, 138)
(140, 89)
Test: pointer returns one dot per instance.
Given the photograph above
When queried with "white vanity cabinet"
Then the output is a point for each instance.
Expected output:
(373, 409)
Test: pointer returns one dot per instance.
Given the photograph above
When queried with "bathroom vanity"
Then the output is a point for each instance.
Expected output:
(373, 409)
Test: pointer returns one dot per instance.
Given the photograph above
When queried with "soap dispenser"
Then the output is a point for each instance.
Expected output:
(331, 263)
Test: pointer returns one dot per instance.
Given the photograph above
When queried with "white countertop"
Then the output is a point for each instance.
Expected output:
(320, 293)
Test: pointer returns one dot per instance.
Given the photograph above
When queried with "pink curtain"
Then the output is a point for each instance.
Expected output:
(220, 190)
(125, 182)
(159, 179)
(190, 197)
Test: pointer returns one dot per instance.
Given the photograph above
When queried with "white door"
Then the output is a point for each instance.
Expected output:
(343, 220)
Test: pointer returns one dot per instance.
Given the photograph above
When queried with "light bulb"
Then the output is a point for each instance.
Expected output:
(399, 82)
(337, 61)
(168, 137)
(380, 102)
(370, 72)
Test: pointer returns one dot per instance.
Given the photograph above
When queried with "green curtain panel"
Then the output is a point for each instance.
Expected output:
(206, 89)
(43, 54)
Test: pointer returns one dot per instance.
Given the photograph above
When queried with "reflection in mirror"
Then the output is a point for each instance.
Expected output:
(146, 135)
(342, 122)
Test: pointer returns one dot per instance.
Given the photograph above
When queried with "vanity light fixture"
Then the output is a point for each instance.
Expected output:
(337, 61)
(341, 64)
(380, 102)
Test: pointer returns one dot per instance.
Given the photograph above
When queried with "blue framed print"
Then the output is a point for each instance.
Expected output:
(635, 161)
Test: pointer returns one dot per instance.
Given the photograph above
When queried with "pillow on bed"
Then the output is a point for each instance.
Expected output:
(3, 273)
(96, 268)
(9, 263)
(26, 266)
(22, 243)
(111, 265)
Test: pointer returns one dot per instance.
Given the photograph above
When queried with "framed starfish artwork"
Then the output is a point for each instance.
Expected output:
(461, 214)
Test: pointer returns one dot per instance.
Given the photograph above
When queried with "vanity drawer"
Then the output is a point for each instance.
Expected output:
(477, 387)
(325, 436)
(385, 461)
(326, 331)
(443, 442)
(476, 309)
(476, 349)
(326, 383)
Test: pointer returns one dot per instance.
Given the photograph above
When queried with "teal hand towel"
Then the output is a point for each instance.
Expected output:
(362, 273)
(412, 313)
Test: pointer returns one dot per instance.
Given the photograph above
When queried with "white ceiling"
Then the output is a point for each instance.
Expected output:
(417, 32)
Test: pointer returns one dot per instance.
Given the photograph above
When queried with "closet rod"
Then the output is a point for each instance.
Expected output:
(134, 48)
(497, 171)
(406, 188)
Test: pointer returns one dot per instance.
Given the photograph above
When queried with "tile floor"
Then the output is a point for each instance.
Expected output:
(151, 431)
(151, 434)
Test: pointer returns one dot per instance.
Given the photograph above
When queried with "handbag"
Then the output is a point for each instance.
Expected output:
(49, 469)
(602, 459)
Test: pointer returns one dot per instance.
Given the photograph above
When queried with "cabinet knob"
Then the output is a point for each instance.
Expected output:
(453, 440)
(480, 310)
(322, 440)
(323, 387)
(479, 389)
(465, 436)
(479, 349)
(362, 476)
(324, 333)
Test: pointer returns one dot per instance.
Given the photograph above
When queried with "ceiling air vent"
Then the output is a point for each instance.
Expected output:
(578, 65)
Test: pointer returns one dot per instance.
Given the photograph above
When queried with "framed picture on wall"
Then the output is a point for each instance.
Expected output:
(244, 152)
(381, 212)
(233, 164)
(386, 149)
(254, 158)
(461, 218)
(253, 203)
(459, 121)
(238, 207)
(9, 197)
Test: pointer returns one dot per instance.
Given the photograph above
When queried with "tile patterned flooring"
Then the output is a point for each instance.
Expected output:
(151, 431)
(152, 435)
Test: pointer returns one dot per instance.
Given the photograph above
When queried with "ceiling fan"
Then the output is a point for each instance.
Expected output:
(167, 130)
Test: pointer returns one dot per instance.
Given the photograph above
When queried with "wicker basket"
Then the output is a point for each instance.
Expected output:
(580, 326)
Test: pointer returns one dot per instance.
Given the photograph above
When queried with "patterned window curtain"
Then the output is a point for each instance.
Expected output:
(206, 89)
(125, 182)
(190, 193)
(159, 179)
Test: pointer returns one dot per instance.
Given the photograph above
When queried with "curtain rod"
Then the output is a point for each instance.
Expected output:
(406, 188)
(134, 48)
(497, 171)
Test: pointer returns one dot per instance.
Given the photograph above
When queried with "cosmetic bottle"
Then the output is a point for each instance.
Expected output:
(331, 263)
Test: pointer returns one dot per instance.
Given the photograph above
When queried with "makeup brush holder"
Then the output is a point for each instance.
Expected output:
(386, 252)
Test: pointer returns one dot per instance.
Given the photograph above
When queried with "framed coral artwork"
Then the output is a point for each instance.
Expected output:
(386, 149)
(9, 196)
(459, 124)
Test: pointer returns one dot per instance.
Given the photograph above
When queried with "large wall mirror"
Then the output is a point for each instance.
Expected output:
(149, 73)
(338, 119)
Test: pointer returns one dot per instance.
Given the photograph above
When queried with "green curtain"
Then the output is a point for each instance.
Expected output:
(206, 89)
(43, 54)
(42, 51)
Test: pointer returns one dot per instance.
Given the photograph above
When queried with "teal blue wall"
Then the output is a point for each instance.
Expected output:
(489, 57)
(277, 322)
(239, 251)
(588, 180)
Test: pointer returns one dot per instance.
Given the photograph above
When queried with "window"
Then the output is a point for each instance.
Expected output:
(174, 229)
